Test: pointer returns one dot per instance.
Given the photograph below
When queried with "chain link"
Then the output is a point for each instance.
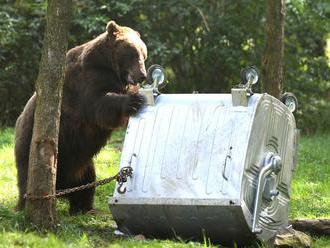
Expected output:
(121, 177)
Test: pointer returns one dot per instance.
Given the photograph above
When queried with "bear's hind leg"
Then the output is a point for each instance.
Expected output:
(22, 150)
(22, 161)
(21, 191)
(82, 201)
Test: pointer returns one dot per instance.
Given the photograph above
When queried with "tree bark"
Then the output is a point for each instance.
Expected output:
(272, 71)
(49, 84)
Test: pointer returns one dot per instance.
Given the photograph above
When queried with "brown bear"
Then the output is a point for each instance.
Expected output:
(95, 101)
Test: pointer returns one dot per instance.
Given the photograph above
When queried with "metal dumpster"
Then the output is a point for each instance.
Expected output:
(204, 166)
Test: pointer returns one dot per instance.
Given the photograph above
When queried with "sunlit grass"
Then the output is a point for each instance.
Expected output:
(310, 198)
(8, 187)
(311, 184)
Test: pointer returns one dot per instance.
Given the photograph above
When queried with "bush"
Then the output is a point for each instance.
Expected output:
(20, 42)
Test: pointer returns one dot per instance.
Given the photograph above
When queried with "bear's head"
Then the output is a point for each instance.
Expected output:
(128, 54)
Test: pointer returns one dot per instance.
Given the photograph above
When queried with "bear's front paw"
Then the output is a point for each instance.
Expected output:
(134, 104)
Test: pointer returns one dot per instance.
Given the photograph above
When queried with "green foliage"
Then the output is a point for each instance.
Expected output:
(21, 27)
(310, 198)
(306, 68)
(203, 44)
(6, 137)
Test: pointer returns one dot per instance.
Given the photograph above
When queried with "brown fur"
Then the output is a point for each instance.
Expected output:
(94, 103)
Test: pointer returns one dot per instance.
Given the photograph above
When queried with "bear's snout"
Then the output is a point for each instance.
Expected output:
(138, 77)
(142, 77)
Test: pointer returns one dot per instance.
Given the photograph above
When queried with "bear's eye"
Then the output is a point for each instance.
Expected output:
(132, 55)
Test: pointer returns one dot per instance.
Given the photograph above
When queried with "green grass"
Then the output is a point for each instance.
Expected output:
(310, 198)
(311, 184)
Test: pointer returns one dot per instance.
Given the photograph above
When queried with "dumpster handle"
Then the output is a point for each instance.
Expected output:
(272, 163)
(228, 156)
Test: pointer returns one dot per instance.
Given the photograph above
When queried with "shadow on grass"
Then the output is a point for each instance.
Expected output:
(72, 230)
(77, 231)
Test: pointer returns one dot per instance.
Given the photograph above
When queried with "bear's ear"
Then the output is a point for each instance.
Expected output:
(112, 28)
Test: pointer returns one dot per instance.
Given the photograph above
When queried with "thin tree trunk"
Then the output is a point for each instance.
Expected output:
(272, 70)
(49, 84)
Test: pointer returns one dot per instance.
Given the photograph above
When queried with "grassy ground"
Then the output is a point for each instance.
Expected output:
(310, 198)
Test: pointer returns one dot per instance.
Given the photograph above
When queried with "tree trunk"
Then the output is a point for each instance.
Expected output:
(49, 84)
(272, 70)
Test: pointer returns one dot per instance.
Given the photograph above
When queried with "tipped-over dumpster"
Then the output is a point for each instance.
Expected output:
(215, 166)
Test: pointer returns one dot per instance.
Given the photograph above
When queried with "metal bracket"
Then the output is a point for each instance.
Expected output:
(270, 190)
(272, 164)
(239, 97)
(148, 93)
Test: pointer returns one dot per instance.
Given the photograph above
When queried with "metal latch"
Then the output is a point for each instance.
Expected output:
(272, 164)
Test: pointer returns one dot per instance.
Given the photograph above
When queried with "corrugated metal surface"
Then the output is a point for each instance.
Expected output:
(273, 130)
(200, 152)
(181, 147)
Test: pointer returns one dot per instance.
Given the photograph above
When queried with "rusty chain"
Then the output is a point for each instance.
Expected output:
(121, 177)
